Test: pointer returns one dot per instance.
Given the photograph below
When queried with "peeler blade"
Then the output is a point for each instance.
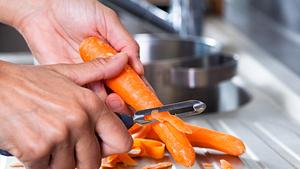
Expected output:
(180, 109)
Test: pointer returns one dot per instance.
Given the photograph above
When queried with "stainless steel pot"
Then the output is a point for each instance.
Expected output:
(203, 72)
(206, 79)
(167, 46)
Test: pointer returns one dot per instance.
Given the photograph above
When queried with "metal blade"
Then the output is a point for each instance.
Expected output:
(180, 109)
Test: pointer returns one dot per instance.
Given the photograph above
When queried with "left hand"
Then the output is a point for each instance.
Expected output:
(54, 30)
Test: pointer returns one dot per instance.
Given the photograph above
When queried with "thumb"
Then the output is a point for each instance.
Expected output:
(95, 70)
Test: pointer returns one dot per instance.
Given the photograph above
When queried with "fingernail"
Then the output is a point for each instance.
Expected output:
(114, 104)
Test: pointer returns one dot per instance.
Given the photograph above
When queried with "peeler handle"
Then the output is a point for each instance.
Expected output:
(126, 119)
(4, 153)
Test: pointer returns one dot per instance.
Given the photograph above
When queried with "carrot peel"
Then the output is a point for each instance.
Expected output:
(225, 164)
(149, 148)
(173, 120)
(161, 165)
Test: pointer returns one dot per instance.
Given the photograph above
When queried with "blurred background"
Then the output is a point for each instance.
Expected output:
(241, 57)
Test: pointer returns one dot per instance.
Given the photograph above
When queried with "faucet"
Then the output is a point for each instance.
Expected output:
(184, 17)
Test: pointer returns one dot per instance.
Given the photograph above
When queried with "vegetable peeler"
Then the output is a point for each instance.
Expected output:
(180, 109)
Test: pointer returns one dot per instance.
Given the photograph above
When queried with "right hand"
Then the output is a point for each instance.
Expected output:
(48, 121)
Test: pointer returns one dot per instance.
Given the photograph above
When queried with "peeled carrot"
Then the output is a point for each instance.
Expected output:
(127, 160)
(173, 120)
(225, 164)
(206, 138)
(176, 142)
(132, 89)
(128, 84)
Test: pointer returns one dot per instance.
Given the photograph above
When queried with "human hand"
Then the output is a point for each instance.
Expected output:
(54, 29)
(49, 121)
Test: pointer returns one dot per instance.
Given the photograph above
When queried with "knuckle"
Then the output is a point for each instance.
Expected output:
(77, 119)
(34, 150)
(58, 134)
(91, 100)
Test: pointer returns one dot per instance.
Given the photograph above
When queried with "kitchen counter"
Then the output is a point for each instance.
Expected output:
(268, 123)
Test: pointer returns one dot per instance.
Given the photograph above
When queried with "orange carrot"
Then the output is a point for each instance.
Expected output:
(128, 84)
(127, 160)
(206, 138)
(176, 142)
(110, 161)
(140, 132)
(207, 165)
(141, 148)
(162, 165)
(225, 164)
(135, 128)
(173, 120)
(132, 89)
(147, 148)
(113, 160)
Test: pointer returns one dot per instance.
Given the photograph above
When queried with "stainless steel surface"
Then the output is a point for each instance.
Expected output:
(185, 16)
(17, 57)
(166, 46)
(207, 71)
(181, 109)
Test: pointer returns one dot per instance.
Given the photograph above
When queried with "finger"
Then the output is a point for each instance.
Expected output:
(42, 163)
(116, 104)
(99, 89)
(114, 135)
(95, 70)
(63, 157)
(87, 150)
(115, 33)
